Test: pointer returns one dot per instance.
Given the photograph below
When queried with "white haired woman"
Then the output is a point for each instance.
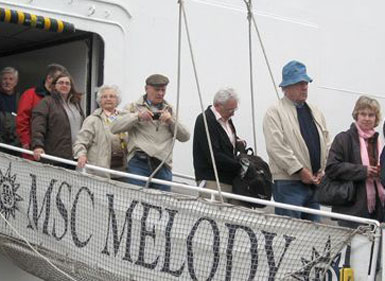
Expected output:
(95, 144)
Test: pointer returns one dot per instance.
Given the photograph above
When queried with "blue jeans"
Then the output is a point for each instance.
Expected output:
(141, 167)
(296, 193)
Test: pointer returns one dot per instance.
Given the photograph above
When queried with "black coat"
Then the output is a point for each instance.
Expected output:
(227, 164)
(344, 163)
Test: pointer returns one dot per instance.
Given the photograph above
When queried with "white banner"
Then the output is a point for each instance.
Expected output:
(134, 234)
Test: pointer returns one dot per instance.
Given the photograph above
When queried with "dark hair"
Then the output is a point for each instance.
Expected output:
(54, 68)
(74, 96)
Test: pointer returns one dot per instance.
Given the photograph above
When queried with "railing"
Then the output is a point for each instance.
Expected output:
(203, 190)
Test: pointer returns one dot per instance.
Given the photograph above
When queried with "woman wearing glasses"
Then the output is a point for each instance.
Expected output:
(57, 120)
(95, 143)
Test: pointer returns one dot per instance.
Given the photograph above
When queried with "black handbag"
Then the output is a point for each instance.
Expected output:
(257, 183)
(335, 192)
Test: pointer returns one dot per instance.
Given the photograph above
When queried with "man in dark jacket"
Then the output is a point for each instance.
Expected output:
(223, 140)
(9, 98)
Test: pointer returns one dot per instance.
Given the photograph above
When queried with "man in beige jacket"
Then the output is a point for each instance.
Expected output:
(151, 123)
(297, 143)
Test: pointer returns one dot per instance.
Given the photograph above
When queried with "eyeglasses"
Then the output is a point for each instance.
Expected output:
(63, 83)
(108, 96)
(230, 110)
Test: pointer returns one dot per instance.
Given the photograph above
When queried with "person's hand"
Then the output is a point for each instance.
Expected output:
(145, 115)
(37, 152)
(82, 160)
(318, 177)
(373, 171)
(25, 145)
(166, 117)
(307, 176)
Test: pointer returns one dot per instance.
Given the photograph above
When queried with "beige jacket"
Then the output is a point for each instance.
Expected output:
(95, 141)
(285, 146)
(153, 137)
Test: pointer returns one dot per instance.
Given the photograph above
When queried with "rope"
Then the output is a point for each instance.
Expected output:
(34, 250)
(181, 3)
(252, 80)
(177, 103)
(250, 13)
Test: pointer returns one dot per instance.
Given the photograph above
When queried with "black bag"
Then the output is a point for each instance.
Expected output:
(335, 192)
(257, 183)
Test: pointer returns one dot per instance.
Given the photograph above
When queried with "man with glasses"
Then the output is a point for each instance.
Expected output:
(223, 140)
(297, 143)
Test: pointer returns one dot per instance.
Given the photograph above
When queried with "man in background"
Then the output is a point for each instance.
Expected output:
(9, 99)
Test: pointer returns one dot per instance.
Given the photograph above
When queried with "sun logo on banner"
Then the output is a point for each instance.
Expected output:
(8, 197)
(320, 266)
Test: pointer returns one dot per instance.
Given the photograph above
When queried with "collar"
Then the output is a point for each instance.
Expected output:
(217, 115)
(149, 103)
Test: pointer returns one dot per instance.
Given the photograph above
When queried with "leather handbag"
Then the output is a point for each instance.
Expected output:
(335, 192)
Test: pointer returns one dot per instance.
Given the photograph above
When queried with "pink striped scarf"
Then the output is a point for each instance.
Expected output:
(370, 186)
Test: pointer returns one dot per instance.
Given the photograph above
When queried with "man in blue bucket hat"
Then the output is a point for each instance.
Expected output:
(297, 143)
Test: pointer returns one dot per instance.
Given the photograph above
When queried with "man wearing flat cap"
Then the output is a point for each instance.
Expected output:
(150, 123)
(297, 143)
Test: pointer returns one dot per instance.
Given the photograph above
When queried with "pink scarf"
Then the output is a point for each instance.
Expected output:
(370, 187)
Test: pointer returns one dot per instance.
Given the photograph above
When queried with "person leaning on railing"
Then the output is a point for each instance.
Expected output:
(95, 144)
(354, 155)
(56, 121)
(29, 100)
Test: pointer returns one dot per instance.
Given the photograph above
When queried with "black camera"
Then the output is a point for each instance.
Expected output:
(156, 115)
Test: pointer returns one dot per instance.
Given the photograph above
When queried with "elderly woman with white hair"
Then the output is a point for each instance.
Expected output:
(95, 143)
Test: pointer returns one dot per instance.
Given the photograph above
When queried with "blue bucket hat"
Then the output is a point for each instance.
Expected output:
(294, 72)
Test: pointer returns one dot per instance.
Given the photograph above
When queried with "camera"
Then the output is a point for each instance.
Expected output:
(156, 115)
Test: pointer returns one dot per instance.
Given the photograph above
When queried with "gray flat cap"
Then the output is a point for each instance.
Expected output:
(157, 80)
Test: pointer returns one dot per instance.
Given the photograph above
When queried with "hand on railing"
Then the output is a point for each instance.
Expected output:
(37, 152)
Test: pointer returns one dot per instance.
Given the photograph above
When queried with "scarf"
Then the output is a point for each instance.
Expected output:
(371, 183)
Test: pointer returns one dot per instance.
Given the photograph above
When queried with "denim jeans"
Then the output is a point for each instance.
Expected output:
(141, 167)
(296, 193)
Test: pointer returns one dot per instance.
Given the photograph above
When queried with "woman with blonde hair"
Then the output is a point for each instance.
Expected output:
(354, 155)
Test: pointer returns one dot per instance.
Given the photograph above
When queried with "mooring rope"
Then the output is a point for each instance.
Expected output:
(252, 80)
(34, 250)
(181, 5)
(252, 18)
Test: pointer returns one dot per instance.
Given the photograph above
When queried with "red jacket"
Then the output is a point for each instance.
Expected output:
(28, 100)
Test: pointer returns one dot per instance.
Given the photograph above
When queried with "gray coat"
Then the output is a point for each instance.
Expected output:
(95, 141)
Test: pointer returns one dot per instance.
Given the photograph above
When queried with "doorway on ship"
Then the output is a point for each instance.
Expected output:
(30, 48)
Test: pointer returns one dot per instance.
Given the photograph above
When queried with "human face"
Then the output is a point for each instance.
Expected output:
(297, 92)
(155, 94)
(8, 83)
(366, 119)
(227, 109)
(63, 86)
(108, 100)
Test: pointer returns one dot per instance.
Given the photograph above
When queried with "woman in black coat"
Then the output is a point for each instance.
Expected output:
(354, 155)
